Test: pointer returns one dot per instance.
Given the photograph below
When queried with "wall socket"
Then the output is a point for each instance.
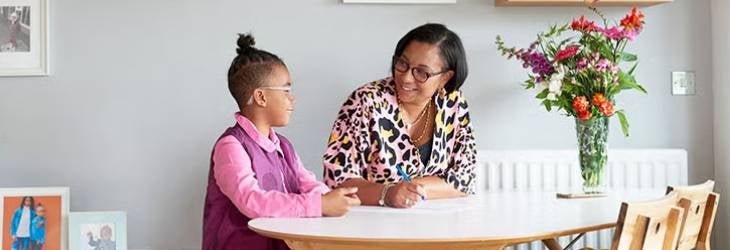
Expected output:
(683, 83)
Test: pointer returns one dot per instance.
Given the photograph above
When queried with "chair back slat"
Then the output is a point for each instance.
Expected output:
(648, 225)
(700, 205)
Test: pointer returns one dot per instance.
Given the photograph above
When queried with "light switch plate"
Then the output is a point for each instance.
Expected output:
(683, 83)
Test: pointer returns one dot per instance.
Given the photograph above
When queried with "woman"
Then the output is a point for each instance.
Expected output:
(417, 120)
(20, 226)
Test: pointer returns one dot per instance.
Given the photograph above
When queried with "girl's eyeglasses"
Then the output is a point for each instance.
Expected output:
(285, 89)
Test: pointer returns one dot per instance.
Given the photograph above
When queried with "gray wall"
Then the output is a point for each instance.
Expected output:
(138, 92)
(720, 79)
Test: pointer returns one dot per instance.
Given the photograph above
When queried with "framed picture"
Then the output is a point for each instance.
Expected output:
(34, 217)
(401, 1)
(98, 230)
(24, 42)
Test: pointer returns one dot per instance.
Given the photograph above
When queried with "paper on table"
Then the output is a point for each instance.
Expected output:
(426, 207)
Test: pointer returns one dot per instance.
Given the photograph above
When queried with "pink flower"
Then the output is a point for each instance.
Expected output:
(582, 64)
(603, 65)
(613, 33)
(631, 34)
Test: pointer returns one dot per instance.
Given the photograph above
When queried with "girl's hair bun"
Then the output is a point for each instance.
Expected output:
(245, 43)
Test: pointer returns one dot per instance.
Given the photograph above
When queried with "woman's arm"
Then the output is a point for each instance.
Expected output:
(437, 188)
(398, 195)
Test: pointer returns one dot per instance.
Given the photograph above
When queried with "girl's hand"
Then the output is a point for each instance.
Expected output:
(337, 202)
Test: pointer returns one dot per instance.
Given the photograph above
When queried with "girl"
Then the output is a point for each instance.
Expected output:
(20, 226)
(255, 171)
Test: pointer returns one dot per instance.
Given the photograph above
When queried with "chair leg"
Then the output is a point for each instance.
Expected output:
(552, 244)
(703, 245)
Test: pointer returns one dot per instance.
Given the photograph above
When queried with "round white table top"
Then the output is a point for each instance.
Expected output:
(503, 216)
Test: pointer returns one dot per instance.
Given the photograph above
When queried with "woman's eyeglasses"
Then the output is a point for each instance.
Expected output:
(420, 74)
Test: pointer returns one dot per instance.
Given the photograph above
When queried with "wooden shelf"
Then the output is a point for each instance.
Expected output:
(577, 2)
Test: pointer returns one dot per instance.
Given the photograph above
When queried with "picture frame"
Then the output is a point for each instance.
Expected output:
(400, 1)
(45, 225)
(106, 230)
(24, 38)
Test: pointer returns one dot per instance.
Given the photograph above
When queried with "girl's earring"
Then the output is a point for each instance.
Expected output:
(442, 93)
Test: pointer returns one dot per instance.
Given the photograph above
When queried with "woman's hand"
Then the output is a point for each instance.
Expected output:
(405, 195)
(337, 202)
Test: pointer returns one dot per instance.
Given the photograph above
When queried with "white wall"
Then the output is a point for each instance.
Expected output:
(138, 92)
(720, 80)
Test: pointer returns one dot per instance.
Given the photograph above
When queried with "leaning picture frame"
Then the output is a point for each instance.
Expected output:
(34, 217)
(98, 230)
(24, 38)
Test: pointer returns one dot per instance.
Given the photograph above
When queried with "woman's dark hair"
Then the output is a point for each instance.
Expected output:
(32, 202)
(249, 68)
(452, 51)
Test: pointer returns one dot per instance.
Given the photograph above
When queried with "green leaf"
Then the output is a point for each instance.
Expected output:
(624, 122)
(606, 52)
(631, 71)
(628, 57)
(627, 81)
(530, 83)
(543, 94)
(547, 105)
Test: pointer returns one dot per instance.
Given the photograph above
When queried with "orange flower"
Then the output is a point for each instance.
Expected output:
(606, 109)
(633, 21)
(583, 25)
(598, 99)
(580, 104)
(584, 115)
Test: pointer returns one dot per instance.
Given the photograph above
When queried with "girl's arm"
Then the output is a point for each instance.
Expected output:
(236, 179)
(307, 182)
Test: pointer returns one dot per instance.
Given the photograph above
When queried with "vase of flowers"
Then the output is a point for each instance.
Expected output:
(576, 68)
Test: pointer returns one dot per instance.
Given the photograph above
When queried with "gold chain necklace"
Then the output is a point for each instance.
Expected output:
(425, 126)
(418, 118)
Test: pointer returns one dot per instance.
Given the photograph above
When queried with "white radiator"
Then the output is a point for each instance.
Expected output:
(552, 170)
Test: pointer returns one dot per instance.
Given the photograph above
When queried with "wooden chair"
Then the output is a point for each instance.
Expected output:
(648, 225)
(700, 207)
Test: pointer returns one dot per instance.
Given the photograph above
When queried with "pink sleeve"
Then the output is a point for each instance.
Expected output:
(235, 177)
(307, 182)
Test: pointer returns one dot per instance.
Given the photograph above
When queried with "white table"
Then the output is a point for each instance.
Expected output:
(488, 221)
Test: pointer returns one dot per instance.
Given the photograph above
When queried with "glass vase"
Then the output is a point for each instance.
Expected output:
(593, 152)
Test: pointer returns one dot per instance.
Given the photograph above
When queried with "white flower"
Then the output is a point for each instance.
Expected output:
(552, 97)
(555, 85)
(542, 86)
(556, 80)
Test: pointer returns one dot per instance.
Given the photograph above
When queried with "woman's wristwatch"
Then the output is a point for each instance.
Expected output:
(381, 202)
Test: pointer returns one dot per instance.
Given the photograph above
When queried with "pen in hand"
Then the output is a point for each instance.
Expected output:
(406, 178)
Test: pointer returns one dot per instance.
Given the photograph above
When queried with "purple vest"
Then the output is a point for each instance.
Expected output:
(224, 226)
